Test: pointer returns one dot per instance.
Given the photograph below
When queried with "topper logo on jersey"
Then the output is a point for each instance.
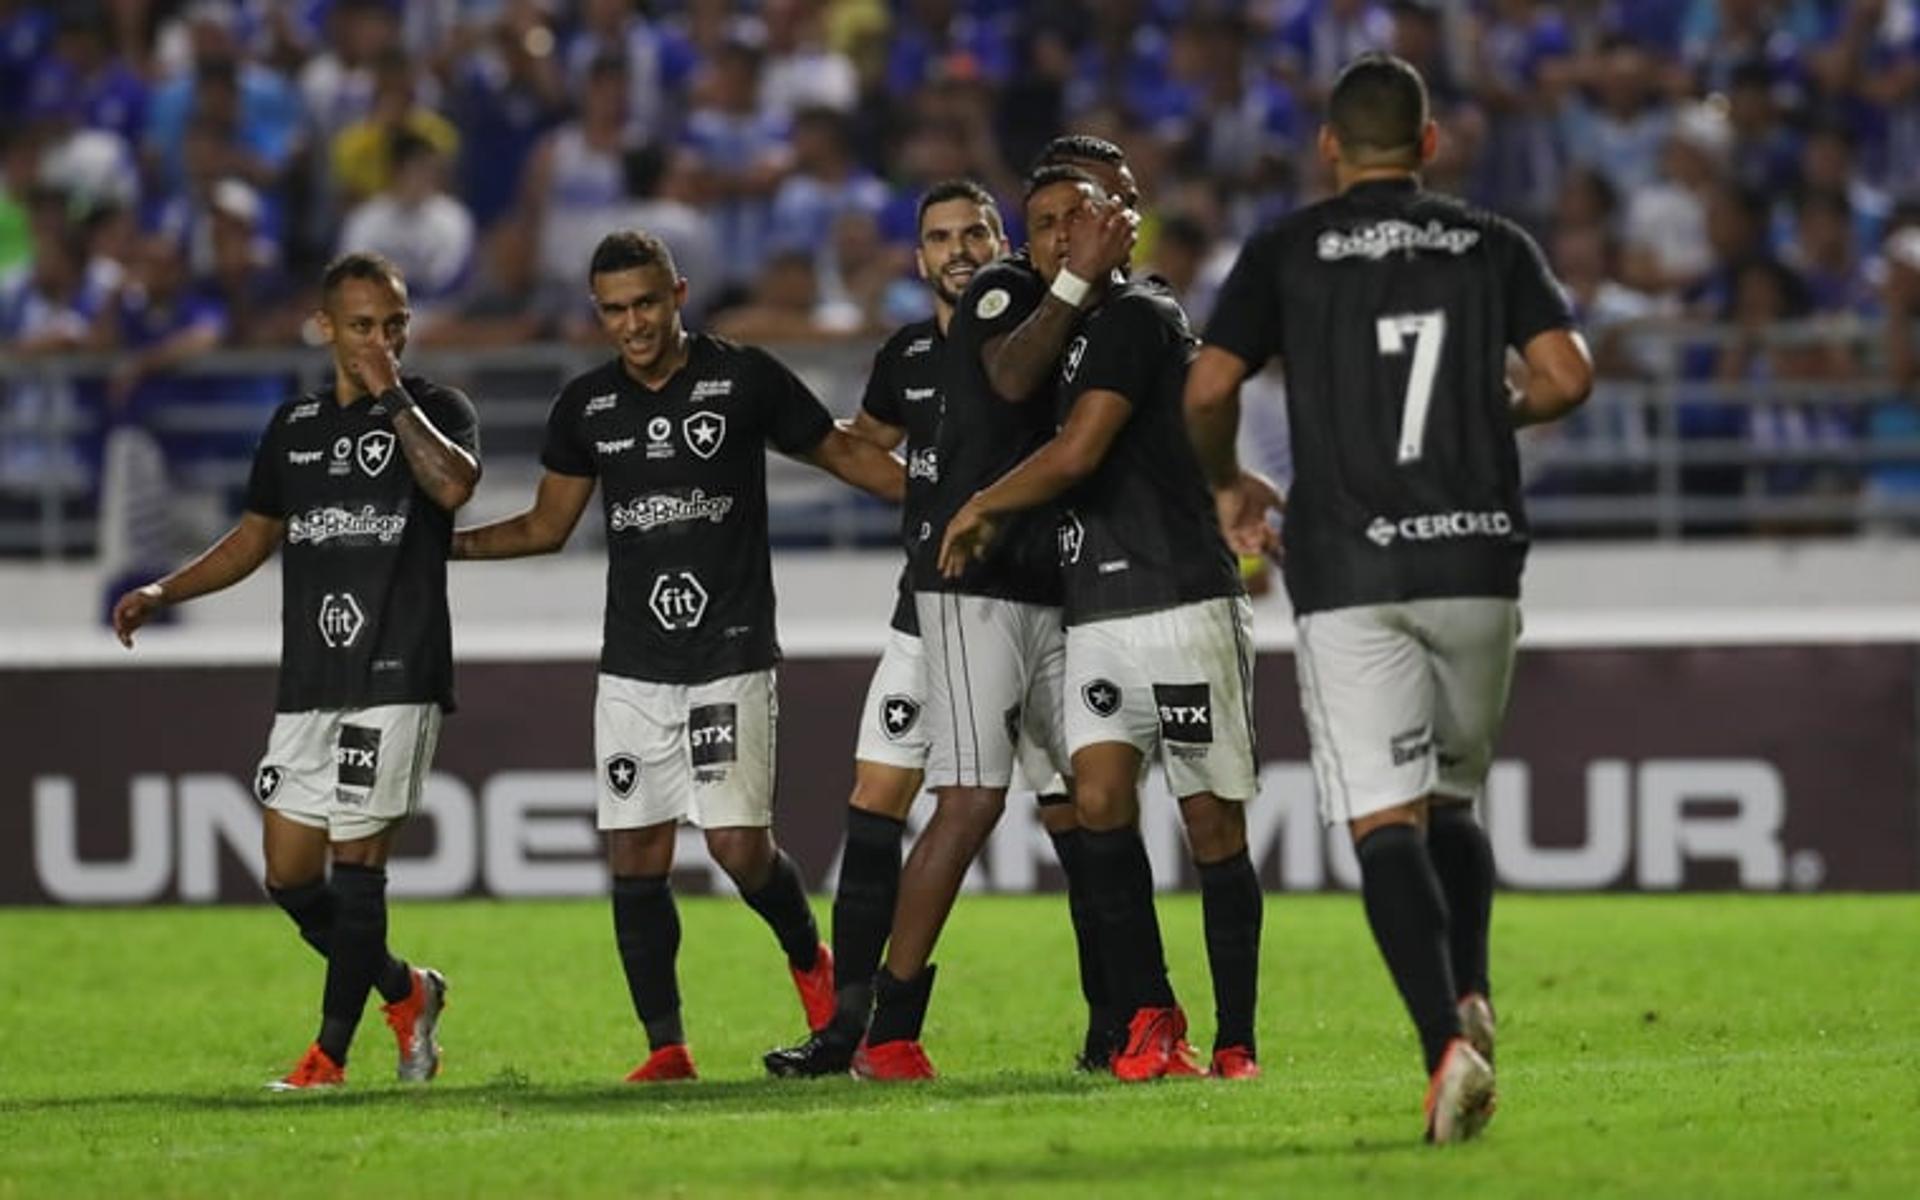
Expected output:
(324, 524)
(1102, 697)
(678, 600)
(898, 715)
(1070, 365)
(375, 450)
(1377, 241)
(1186, 711)
(1436, 527)
(609, 448)
(915, 395)
(713, 734)
(1073, 538)
(705, 431)
(646, 513)
(341, 619)
(303, 458)
(924, 464)
(622, 772)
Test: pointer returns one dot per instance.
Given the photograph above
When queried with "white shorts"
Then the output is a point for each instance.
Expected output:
(700, 752)
(1178, 684)
(993, 670)
(353, 771)
(1404, 700)
(893, 728)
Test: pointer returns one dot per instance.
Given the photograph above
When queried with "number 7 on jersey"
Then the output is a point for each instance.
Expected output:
(1428, 330)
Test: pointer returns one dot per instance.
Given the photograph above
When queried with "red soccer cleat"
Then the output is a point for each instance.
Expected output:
(1234, 1062)
(1154, 1039)
(314, 1070)
(816, 989)
(892, 1062)
(668, 1064)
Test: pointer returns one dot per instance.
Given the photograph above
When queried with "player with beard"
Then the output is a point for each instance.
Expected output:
(1159, 635)
(366, 667)
(1395, 311)
(676, 428)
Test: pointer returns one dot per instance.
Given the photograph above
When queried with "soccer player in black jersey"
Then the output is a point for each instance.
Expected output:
(358, 480)
(1158, 640)
(1394, 311)
(676, 428)
(993, 646)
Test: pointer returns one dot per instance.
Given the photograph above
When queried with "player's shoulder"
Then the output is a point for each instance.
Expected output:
(1140, 301)
(591, 391)
(1009, 284)
(911, 340)
(436, 396)
(713, 362)
(304, 406)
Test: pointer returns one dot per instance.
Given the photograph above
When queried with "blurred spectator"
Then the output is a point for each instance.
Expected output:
(1729, 39)
(160, 323)
(575, 187)
(1822, 252)
(244, 268)
(1828, 164)
(1665, 231)
(337, 84)
(1123, 62)
(784, 305)
(427, 233)
(506, 95)
(943, 39)
(1875, 53)
(659, 199)
(19, 161)
(83, 84)
(1890, 492)
(259, 111)
(1523, 50)
(1620, 129)
(26, 35)
(363, 151)
(1316, 38)
(856, 274)
(1227, 120)
(50, 305)
(659, 61)
(1764, 153)
(740, 153)
(1180, 248)
(1586, 200)
(825, 184)
(802, 71)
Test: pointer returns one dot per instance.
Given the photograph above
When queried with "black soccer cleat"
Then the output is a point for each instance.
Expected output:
(827, 1052)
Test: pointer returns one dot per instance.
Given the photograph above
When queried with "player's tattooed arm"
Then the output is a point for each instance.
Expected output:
(235, 556)
(1017, 363)
(1068, 457)
(444, 471)
(861, 463)
(542, 529)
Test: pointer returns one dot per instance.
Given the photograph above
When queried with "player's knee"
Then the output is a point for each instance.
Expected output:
(1057, 813)
(746, 855)
(1216, 829)
(1105, 804)
(887, 791)
(644, 851)
(1411, 813)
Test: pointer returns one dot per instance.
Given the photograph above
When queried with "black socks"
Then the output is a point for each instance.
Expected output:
(863, 911)
(1463, 859)
(646, 927)
(899, 1006)
(356, 952)
(1409, 919)
(1120, 886)
(782, 904)
(312, 907)
(1231, 905)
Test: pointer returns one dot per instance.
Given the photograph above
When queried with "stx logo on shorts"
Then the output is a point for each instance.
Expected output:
(712, 734)
(266, 781)
(898, 715)
(623, 771)
(705, 431)
(1411, 745)
(1073, 538)
(1102, 697)
(341, 619)
(677, 600)
(375, 450)
(356, 756)
(1186, 711)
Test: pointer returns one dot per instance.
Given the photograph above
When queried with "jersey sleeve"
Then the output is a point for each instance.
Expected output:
(454, 415)
(881, 400)
(1536, 303)
(264, 494)
(1246, 317)
(1123, 350)
(564, 453)
(793, 417)
(997, 301)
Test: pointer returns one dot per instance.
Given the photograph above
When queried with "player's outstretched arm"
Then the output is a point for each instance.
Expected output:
(861, 463)
(869, 428)
(445, 471)
(235, 556)
(542, 529)
(1559, 377)
(1242, 499)
(1068, 457)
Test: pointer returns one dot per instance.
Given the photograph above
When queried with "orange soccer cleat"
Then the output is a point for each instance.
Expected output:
(314, 1070)
(1156, 1046)
(815, 986)
(892, 1062)
(415, 1022)
(1234, 1062)
(668, 1064)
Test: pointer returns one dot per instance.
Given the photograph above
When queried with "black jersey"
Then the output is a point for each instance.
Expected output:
(683, 484)
(903, 390)
(1392, 309)
(363, 576)
(982, 437)
(1140, 533)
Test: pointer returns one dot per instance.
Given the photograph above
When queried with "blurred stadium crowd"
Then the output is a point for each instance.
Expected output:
(173, 174)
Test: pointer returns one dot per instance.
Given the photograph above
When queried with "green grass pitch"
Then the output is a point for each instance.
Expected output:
(1650, 1046)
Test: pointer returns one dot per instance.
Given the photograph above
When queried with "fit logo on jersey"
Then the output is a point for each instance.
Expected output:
(1375, 242)
(325, 524)
(1436, 527)
(375, 451)
(924, 464)
(898, 715)
(1070, 365)
(266, 781)
(705, 431)
(713, 734)
(1102, 697)
(1073, 538)
(711, 389)
(341, 619)
(622, 772)
(1186, 712)
(651, 512)
(678, 600)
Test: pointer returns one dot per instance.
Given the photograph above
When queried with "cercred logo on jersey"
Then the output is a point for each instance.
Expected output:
(1186, 718)
(341, 620)
(678, 600)
(374, 451)
(705, 431)
(1439, 527)
(645, 513)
